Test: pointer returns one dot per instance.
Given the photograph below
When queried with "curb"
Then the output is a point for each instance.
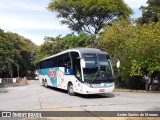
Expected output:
(137, 91)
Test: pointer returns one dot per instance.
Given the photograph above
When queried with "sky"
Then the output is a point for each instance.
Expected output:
(32, 20)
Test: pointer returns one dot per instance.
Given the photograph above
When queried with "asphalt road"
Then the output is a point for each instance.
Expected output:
(34, 97)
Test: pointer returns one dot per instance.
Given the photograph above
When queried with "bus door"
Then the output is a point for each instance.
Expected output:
(77, 73)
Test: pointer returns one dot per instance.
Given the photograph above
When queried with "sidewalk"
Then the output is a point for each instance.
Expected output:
(3, 87)
(9, 86)
(140, 91)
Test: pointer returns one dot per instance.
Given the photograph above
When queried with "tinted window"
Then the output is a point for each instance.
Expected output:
(58, 61)
(66, 60)
(76, 65)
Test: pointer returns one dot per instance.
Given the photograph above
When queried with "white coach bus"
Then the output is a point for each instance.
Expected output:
(78, 70)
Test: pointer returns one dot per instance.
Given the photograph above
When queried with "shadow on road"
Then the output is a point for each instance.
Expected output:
(58, 90)
(95, 96)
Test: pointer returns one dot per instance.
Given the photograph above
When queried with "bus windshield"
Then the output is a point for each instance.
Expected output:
(97, 68)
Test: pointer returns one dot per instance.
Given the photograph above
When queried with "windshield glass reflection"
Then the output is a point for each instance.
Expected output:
(97, 68)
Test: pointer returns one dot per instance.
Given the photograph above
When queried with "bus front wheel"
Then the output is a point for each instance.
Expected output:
(70, 89)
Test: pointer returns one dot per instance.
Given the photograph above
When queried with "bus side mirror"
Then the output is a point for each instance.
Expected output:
(118, 63)
(78, 58)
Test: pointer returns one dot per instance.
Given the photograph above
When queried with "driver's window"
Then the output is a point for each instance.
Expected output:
(76, 64)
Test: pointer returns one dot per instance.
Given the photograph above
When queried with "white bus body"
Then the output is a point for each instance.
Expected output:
(78, 70)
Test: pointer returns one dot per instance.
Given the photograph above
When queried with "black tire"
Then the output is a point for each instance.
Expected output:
(70, 89)
(43, 82)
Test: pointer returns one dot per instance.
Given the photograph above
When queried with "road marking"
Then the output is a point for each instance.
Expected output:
(49, 107)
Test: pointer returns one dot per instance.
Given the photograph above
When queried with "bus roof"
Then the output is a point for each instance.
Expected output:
(80, 49)
(87, 50)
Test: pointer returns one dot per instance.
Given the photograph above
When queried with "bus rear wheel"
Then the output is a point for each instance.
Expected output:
(45, 84)
(70, 89)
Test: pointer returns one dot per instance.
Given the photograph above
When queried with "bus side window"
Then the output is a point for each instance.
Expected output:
(44, 64)
(67, 60)
(40, 64)
(59, 61)
(76, 64)
(54, 62)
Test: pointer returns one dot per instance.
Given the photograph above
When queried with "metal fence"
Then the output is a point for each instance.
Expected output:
(13, 82)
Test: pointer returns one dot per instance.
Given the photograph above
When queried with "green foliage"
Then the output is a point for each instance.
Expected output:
(89, 15)
(4, 48)
(150, 13)
(58, 44)
(70, 41)
(137, 47)
(43, 51)
(15, 51)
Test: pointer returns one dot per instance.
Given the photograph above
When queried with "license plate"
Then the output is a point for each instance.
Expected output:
(101, 90)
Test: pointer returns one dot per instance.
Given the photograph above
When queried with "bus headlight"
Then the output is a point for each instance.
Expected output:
(111, 85)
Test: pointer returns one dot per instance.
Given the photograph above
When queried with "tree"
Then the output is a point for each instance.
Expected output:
(4, 52)
(58, 44)
(150, 13)
(70, 41)
(43, 51)
(137, 47)
(89, 15)
(15, 54)
(3, 48)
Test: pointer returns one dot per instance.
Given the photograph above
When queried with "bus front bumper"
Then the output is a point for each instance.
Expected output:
(98, 90)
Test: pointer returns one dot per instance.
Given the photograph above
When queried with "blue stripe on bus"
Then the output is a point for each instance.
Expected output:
(52, 74)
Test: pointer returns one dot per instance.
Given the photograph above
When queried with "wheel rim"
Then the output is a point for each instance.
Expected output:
(71, 89)
(45, 83)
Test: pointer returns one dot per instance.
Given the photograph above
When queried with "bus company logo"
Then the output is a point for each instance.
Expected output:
(51, 73)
